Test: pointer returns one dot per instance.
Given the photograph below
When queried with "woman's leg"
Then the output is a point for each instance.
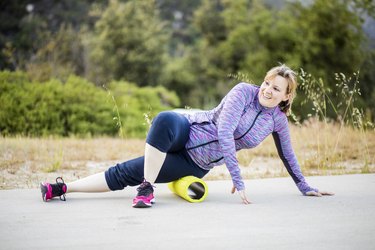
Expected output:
(169, 133)
(115, 178)
(89, 184)
(154, 159)
(131, 173)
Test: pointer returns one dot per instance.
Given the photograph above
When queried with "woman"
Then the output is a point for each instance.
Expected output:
(179, 145)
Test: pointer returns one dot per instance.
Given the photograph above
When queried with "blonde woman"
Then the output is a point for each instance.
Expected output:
(179, 145)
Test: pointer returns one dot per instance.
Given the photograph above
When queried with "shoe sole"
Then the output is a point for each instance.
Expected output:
(43, 190)
(141, 204)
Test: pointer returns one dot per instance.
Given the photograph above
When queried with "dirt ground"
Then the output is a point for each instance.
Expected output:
(25, 162)
(26, 177)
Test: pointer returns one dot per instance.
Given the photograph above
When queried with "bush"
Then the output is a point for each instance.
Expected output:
(53, 108)
(77, 107)
(137, 106)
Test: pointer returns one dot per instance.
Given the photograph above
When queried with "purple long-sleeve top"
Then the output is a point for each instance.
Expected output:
(239, 122)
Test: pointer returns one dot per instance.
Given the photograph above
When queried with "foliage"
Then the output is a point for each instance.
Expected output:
(25, 26)
(345, 110)
(178, 76)
(190, 46)
(178, 17)
(332, 38)
(53, 107)
(59, 57)
(76, 106)
(128, 43)
(136, 106)
(364, 6)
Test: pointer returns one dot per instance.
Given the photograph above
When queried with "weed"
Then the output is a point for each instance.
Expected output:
(365, 169)
(117, 117)
(241, 77)
(148, 119)
(346, 114)
(56, 163)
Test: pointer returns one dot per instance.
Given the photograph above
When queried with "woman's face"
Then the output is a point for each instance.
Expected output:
(273, 91)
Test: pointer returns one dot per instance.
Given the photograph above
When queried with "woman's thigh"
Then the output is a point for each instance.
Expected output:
(169, 132)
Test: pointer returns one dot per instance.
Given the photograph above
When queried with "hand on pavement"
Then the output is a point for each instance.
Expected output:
(319, 194)
(242, 194)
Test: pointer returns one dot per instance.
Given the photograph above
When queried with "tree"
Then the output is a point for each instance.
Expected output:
(264, 38)
(28, 25)
(59, 57)
(128, 43)
(332, 38)
(237, 36)
(332, 42)
(179, 17)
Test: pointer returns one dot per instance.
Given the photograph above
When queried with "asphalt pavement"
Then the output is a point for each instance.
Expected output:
(278, 218)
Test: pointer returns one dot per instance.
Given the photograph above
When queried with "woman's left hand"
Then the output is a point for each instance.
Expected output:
(242, 194)
(319, 193)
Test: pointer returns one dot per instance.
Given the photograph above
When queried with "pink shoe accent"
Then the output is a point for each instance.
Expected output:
(49, 191)
(143, 201)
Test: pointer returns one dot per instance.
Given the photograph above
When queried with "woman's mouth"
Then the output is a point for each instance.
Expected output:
(266, 97)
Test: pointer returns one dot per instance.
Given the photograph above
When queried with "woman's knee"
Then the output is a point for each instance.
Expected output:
(169, 132)
(128, 173)
(164, 119)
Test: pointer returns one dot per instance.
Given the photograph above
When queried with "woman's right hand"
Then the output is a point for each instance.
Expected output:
(319, 193)
(242, 194)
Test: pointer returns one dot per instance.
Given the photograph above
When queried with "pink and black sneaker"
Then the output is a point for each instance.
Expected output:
(52, 190)
(145, 197)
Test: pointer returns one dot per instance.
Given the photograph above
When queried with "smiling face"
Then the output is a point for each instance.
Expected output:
(273, 91)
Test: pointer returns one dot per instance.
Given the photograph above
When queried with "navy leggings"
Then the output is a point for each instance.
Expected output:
(169, 133)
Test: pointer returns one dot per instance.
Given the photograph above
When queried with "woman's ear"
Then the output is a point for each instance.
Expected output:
(287, 97)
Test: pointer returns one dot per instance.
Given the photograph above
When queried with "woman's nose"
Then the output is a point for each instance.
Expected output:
(268, 90)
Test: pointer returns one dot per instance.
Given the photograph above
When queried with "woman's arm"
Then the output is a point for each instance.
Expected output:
(229, 118)
(281, 136)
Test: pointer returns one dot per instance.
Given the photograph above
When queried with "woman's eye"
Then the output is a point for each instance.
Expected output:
(276, 89)
(266, 83)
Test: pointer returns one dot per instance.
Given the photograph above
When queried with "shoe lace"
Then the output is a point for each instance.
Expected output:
(59, 185)
(145, 189)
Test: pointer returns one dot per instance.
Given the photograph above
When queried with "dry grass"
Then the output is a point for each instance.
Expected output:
(24, 162)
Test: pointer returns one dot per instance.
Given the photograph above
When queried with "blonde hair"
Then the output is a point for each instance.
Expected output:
(291, 77)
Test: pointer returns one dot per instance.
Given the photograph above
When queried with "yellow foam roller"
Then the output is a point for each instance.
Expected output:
(189, 188)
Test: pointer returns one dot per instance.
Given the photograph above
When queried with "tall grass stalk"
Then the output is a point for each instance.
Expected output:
(241, 77)
(56, 164)
(117, 117)
(350, 102)
(346, 91)
(148, 119)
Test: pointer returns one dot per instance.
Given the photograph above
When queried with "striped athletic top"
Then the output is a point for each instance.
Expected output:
(239, 122)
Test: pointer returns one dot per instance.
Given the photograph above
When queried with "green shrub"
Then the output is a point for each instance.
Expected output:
(53, 108)
(86, 108)
(137, 106)
(77, 107)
